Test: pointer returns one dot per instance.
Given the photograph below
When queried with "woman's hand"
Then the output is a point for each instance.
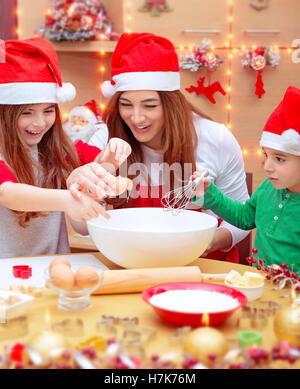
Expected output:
(92, 179)
(115, 153)
(222, 240)
(203, 186)
(84, 208)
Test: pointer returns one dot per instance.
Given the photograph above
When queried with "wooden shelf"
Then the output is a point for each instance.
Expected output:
(85, 46)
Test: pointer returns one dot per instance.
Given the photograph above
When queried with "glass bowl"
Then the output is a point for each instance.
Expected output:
(75, 299)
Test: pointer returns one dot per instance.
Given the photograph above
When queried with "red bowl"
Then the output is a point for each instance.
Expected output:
(193, 319)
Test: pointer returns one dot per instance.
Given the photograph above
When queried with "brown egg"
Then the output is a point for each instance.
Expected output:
(86, 277)
(62, 276)
(58, 260)
(123, 184)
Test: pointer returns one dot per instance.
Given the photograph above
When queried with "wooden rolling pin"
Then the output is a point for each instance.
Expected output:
(137, 280)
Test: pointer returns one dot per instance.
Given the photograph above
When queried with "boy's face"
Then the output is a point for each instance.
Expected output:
(35, 121)
(282, 169)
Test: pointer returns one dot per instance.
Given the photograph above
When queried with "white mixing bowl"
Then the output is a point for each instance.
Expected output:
(152, 237)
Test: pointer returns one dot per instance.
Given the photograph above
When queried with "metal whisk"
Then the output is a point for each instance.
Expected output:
(177, 200)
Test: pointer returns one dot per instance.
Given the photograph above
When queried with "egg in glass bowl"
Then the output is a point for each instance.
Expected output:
(73, 283)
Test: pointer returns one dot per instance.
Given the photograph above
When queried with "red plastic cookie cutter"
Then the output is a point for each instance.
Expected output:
(22, 271)
(16, 352)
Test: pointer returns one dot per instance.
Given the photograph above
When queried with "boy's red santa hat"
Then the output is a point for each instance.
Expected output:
(143, 61)
(282, 130)
(29, 73)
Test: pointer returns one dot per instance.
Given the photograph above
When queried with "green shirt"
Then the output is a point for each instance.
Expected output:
(276, 215)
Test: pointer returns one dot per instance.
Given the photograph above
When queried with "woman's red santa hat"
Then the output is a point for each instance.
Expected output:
(30, 74)
(143, 61)
(282, 130)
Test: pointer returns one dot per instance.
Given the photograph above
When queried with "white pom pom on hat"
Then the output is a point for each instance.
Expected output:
(291, 139)
(282, 130)
(108, 90)
(66, 92)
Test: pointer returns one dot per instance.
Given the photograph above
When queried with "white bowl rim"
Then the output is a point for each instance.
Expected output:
(213, 220)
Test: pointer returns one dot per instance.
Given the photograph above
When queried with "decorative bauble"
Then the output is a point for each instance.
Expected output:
(287, 324)
(207, 344)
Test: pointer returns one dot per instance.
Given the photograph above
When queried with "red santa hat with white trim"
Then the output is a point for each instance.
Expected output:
(282, 130)
(143, 61)
(29, 73)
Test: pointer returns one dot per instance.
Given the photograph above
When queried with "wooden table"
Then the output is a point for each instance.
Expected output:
(44, 312)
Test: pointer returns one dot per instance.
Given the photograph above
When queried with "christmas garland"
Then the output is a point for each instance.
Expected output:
(155, 7)
(75, 20)
(201, 57)
(257, 59)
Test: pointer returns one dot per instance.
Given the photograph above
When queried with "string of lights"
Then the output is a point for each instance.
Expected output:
(229, 49)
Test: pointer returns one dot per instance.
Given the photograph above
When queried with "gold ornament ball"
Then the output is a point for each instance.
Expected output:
(287, 324)
(46, 341)
(203, 342)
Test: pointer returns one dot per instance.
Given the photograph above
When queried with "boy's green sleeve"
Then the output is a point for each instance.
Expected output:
(234, 212)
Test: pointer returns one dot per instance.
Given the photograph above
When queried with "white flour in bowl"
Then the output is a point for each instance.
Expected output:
(194, 301)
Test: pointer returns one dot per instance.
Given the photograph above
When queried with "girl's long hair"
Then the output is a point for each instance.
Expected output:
(179, 138)
(57, 156)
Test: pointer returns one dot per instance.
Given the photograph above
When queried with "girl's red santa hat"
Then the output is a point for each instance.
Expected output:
(29, 73)
(143, 61)
(282, 130)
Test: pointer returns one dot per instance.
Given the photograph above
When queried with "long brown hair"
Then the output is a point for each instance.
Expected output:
(179, 137)
(56, 155)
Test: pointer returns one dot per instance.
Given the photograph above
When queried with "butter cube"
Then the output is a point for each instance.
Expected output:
(234, 278)
(253, 279)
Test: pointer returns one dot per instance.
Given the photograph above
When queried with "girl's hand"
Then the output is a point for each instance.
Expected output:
(203, 186)
(115, 153)
(84, 208)
(92, 179)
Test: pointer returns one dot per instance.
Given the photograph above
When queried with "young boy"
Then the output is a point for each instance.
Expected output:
(274, 208)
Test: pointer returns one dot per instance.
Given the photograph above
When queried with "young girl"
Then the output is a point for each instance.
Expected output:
(148, 111)
(274, 208)
(36, 156)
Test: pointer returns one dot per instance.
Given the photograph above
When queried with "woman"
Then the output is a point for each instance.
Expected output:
(168, 136)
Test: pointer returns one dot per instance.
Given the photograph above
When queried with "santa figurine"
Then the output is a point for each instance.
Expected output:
(83, 122)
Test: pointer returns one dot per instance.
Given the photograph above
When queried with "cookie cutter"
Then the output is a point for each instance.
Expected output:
(266, 307)
(177, 337)
(22, 271)
(255, 314)
(112, 325)
(69, 327)
(138, 333)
